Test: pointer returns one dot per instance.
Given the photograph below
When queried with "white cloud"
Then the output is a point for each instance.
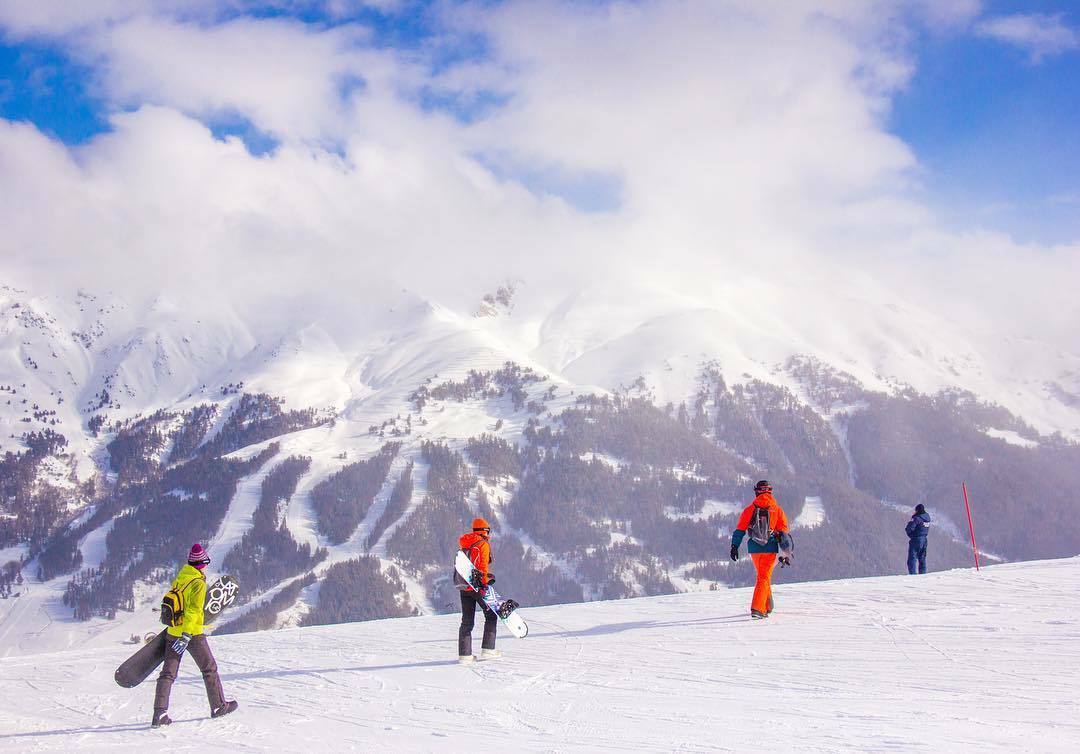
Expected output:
(345, 8)
(746, 139)
(283, 77)
(947, 14)
(1041, 35)
(23, 18)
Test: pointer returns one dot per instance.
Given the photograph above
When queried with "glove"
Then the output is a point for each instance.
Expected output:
(491, 580)
(181, 643)
(785, 561)
(734, 552)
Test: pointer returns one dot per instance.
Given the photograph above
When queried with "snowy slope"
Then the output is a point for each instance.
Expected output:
(954, 661)
(610, 336)
(362, 361)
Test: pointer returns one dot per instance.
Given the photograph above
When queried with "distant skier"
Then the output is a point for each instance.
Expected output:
(917, 530)
(190, 585)
(477, 546)
(766, 523)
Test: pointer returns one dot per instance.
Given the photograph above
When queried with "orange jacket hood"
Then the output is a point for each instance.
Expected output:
(478, 549)
(777, 518)
(468, 540)
(765, 500)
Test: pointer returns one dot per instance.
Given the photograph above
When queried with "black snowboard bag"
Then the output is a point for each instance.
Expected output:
(140, 665)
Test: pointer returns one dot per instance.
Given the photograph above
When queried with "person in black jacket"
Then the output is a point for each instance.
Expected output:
(917, 529)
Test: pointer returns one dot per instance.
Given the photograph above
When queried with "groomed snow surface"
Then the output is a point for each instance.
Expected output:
(954, 661)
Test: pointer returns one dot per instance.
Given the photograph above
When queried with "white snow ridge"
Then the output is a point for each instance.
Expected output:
(952, 661)
(812, 514)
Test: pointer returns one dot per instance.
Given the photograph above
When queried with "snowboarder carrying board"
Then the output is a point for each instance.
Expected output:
(182, 607)
(477, 546)
(917, 530)
(766, 523)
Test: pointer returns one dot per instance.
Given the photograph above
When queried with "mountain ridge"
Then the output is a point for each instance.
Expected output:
(351, 393)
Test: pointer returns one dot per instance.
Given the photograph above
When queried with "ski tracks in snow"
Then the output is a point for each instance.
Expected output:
(948, 662)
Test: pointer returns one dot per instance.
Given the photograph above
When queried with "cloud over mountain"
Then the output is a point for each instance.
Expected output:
(692, 145)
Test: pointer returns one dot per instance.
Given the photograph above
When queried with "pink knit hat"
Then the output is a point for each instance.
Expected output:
(198, 556)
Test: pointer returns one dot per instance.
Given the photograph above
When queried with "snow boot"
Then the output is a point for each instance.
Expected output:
(466, 659)
(758, 615)
(490, 654)
(224, 709)
(160, 718)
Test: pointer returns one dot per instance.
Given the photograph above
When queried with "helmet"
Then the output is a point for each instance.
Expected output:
(762, 486)
(480, 524)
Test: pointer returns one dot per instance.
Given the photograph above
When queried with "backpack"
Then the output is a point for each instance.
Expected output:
(759, 530)
(172, 605)
(461, 584)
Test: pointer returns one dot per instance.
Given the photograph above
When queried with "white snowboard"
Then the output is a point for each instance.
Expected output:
(513, 622)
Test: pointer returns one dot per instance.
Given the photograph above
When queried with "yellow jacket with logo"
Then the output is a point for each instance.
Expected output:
(191, 584)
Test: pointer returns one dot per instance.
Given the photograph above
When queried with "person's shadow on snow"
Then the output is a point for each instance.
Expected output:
(124, 728)
(309, 671)
(617, 628)
(127, 728)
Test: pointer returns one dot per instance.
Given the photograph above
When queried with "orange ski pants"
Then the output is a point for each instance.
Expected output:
(764, 562)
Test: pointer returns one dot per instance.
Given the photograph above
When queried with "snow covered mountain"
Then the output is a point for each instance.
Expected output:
(90, 354)
(954, 661)
(611, 434)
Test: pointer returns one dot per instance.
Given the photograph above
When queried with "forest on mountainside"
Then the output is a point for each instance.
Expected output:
(611, 496)
(170, 490)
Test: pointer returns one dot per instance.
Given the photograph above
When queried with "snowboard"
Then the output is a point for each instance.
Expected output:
(505, 608)
(786, 547)
(219, 596)
(137, 668)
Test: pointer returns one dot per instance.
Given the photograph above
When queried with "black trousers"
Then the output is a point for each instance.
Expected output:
(469, 602)
(199, 649)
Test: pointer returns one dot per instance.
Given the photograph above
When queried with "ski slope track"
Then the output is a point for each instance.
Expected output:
(952, 661)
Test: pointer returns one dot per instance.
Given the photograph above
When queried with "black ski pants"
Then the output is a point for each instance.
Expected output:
(199, 649)
(469, 602)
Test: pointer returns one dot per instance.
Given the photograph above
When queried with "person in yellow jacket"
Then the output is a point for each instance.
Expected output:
(190, 583)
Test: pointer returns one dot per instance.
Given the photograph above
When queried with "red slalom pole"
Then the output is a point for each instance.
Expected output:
(971, 527)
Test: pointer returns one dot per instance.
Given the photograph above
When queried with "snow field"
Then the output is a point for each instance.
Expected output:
(1012, 438)
(954, 661)
(93, 547)
(709, 509)
(240, 514)
(13, 553)
(812, 514)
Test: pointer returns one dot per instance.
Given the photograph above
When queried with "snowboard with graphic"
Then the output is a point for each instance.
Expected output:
(137, 668)
(505, 608)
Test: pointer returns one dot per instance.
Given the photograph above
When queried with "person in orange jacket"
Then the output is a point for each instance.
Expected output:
(477, 545)
(769, 540)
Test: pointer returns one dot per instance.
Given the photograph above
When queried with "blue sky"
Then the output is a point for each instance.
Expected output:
(926, 146)
(997, 133)
(40, 84)
(994, 130)
(989, 111)
(40, 81)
